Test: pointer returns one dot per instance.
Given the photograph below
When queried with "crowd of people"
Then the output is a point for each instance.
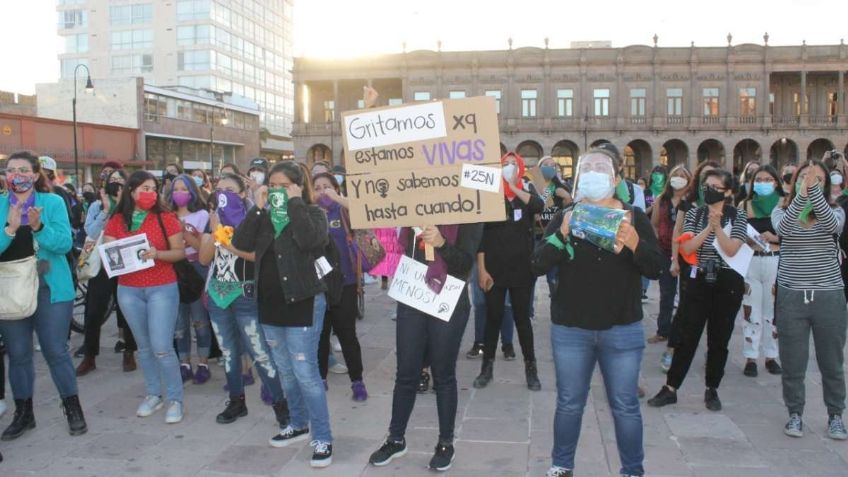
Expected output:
(252, 240)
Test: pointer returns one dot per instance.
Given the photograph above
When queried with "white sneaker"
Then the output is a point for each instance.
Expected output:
(150, 405)
(2, 407)
(174, 413)
(337, 347)
(338, 368)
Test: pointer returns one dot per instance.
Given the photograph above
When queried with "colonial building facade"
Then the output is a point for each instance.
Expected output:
(666, 106)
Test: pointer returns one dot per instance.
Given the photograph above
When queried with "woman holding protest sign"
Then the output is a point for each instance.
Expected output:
(287, 237)
(504, 265)
(591, 325)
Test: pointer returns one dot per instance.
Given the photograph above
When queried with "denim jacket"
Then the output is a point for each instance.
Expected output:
(297, 247)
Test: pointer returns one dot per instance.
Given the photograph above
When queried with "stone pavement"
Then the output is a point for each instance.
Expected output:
(504, 430)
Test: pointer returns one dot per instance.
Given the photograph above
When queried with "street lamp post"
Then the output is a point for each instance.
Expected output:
(224, 122)
(89, 88)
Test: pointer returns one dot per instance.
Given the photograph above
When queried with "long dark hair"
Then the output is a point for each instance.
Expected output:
(126, 206)
(826, 185)
(196, 203)
(41, 184)
(692, 195)
(668, 191)
(329, 177)
(773, 173)
(296, 173)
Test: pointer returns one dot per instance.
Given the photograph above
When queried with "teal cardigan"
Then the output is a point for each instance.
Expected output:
(54, 242)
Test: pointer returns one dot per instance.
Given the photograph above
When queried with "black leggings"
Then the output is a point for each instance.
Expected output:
(495, 304)
(102, 291)
(341, 318)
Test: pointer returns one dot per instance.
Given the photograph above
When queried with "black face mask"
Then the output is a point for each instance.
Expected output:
(787, 178)
(89, 197)
(114, 188)
(169, 177)
(712, 196)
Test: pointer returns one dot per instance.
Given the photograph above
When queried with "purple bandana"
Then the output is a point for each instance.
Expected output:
(13, 200)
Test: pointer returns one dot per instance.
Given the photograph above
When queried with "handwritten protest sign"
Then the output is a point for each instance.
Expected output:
(404, 163)
(409, 288)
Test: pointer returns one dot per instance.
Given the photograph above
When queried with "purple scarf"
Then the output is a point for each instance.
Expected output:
(437, 270)
(13, 200)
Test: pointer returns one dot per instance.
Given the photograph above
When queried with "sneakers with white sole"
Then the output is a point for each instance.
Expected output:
(174, 413)
(794, 426)
(288, 436)
(150, 405)
(836, 428)
(322, 455)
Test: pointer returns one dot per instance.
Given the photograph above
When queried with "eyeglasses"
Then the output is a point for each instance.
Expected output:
(19, 170)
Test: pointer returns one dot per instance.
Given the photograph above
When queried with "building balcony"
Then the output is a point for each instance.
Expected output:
(316, 128)
(791, 122)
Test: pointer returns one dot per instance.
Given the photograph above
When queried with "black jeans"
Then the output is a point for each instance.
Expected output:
(341, 318)
(420, 335)
(495, 304)
(102, 291)
(714, 305)
(668, 290)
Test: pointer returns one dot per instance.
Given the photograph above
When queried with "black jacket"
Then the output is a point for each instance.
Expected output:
(297, 247)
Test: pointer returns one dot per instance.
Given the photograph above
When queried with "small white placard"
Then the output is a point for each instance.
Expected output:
(483, 178)
(384, 127)
(409, 288)
(322, 267)
(739, 262)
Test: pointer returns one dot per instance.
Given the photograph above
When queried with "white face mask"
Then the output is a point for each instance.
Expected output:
(509, 171)
(258, 177)
(678, 183)
(595, 185)
(836, 179)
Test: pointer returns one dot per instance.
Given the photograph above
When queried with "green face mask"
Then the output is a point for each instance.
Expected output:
(278, 199)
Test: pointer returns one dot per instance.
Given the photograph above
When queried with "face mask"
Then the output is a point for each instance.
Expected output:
(169, 177)
(146, 199)
(787, 178)
(678, 183)
(181, 197)
(19, 183)
(89, 197)
(595, 185)
(712, 196)
(114, 188)
(836, 179)
(258, 177)
(548, 172)
(339, 179)
(231, 208)
(324, 201)
(764, 188)
(198, 181)
(509, 171)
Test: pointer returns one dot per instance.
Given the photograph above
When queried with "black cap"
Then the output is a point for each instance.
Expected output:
(339, 170)
(259, 163)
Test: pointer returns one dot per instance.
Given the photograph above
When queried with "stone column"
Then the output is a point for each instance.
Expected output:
(803, 99)
(298, 102)
(840, 98)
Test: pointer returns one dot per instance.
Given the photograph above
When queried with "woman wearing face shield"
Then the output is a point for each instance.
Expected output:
(503, 263)
(592, 325)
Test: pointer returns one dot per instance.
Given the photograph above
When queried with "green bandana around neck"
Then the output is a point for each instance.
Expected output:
(657, 183)
(278, 199)
(622, 192)
(701, 196)
(762, 205)
(138, 217)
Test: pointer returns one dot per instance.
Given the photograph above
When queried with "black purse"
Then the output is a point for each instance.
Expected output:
(190, 282)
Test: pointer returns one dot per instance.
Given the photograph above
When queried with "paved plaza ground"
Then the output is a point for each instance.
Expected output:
(503, 430)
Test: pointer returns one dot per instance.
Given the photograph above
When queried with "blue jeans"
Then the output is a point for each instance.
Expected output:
(151, 313)
(295, 352)
(478, 299)
(51, 322)
(618, 350)
(237, 328)
(194, 315)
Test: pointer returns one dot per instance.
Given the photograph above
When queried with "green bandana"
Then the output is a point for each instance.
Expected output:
(138, 217)
(804, 216)
(279, 201)
(622, 192)
(657, 183)
(224, 293)
(762, 205)
(112, 203)
(700, 196)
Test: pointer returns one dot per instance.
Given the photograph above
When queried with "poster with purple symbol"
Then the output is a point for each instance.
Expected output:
(597, 225)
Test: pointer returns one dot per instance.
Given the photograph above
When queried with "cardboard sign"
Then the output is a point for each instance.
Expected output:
(483, 178)
(409, 288)
(405, 163)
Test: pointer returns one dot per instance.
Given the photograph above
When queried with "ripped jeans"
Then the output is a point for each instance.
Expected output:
(295, 352)
(193, 316)
(759, 330)
(237, 329)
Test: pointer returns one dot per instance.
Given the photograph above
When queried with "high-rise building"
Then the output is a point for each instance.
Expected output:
(242, 47)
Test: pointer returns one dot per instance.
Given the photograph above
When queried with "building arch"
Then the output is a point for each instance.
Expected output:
(711, 150)
(745, 151)
(638, 159)
(565, 153)
(319, 152)
(674, 152)
(531, 151)
(817, 148)
(783, 151)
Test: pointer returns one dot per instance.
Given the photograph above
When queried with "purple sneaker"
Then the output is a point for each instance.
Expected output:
(266, 396)
(359, 392)
(185, 372)
(202, 375)
(248, 378)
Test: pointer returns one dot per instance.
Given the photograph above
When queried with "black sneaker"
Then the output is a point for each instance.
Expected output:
(424, 382)
(120, 347)
(389, 451)
(773, 367)
(751, 369)
(475, 352)
(509, 352)
(443, 458)
(322, 455)
(288, 436)
(711, 400)
(663, 398)
(235, 409)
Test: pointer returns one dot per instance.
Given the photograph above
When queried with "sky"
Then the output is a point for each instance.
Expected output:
(346, 28)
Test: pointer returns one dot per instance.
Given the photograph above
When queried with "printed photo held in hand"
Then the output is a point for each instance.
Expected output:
(124, 256)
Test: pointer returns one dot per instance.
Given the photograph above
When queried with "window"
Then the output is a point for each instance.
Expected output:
(602, 97)
(395, 101)
(193, 34)
(796, 102)
(711, 102)
(68, 66)
(565, 103)
(771, 104)
(184, 110)
(495, 93)
(131, 14)
(197, 82)
(132, 64)
(73, 19)
(421, 96)
(329, 111)
(155, 106)
(674, 101)
(193, 60)
(528, 103)
(132, 39)
(637, 101)
(832, 101)
(456, 94)
(192, 10)
(76, 43)
(747, 102)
